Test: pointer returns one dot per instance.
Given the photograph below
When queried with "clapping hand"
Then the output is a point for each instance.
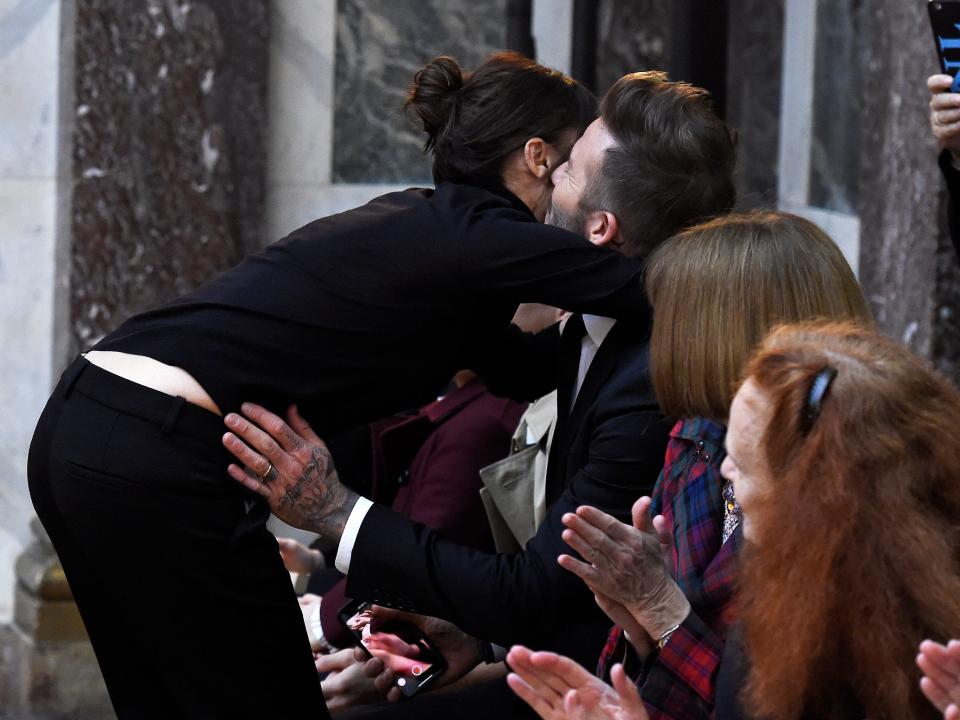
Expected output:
(941, 676)
(557, 688)
(624, 567)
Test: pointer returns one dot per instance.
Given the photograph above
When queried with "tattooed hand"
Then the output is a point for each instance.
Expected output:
(289, 466)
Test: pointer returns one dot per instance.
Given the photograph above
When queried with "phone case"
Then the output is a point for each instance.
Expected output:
(945, 22)
(424, 667)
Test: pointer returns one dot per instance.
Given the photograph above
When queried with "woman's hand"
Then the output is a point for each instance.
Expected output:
(298, 558)
(945, 114)
(557, 688)
(941, 676)
(290, 467)
(346, 685)
(625, 565)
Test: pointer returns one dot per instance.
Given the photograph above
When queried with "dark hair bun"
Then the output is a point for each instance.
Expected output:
(433, 94)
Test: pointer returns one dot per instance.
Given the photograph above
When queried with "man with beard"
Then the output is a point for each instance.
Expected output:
(658, 159)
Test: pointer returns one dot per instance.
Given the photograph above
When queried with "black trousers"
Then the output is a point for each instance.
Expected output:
(180, 586)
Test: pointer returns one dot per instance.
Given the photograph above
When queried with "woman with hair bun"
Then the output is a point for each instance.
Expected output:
(353, 316)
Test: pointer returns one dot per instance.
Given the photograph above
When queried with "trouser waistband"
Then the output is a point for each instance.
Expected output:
(171, 413)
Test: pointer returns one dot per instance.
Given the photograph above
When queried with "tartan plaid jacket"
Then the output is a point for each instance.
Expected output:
(677, 682)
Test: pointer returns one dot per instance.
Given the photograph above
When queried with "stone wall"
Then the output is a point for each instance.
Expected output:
(907, 267)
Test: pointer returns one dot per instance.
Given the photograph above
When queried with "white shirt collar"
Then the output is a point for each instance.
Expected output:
(598, 327)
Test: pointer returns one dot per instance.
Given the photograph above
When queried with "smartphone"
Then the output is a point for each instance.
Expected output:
(401, 646)
(945, 22)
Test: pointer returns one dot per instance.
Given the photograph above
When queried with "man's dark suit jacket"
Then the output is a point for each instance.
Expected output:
(607, 454)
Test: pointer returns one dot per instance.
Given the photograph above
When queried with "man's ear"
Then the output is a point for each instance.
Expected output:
(535, 156)
(602, 228)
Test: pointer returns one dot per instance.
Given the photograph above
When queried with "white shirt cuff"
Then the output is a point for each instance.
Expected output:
(350, 532)
(315, 628)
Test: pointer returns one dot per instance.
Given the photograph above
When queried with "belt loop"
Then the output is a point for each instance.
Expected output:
(72, 374)
(176, 405)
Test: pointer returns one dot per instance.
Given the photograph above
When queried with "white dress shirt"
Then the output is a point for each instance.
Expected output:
(597, 330)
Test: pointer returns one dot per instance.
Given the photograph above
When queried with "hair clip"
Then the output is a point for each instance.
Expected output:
(818, 391)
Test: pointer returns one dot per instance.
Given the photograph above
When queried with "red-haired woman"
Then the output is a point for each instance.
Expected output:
(850, 506)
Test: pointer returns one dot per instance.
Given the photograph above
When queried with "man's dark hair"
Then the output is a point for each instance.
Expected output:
(672, 165)
(474, 121)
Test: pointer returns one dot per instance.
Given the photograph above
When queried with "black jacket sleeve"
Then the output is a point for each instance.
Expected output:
(508, 258)
(952, 176)
(517, 364)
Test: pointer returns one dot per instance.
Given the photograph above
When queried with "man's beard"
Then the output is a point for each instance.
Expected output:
(572, 221)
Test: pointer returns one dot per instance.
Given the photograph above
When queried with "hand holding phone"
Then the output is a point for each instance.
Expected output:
(401, 646)
(945, 23)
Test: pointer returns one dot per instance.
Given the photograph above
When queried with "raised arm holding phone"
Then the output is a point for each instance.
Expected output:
(945, 102)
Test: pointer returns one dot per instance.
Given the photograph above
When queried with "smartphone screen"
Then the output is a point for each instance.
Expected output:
(401, 646)
(945, 22)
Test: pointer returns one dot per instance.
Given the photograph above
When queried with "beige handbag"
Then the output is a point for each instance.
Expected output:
(514, 492)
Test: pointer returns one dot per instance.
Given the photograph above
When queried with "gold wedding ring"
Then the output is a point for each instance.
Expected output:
(266, 473)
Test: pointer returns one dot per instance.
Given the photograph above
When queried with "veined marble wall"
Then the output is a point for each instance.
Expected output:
(300, 131)
(168, 151)
(29, 72)
(379, 48)
(338, 73)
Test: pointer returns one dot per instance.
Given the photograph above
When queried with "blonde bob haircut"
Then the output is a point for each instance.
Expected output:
(718, 288)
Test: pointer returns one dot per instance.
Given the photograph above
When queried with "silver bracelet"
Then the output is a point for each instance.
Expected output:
(662, 640)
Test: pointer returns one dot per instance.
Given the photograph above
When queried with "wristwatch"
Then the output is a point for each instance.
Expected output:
(490, 653)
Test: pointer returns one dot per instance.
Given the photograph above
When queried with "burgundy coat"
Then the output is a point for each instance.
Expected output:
(427, 466)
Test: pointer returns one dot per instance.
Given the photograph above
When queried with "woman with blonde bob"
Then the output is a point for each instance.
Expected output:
(716, 290)
(720, 287)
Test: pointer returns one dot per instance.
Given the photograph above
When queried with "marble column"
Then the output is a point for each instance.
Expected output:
(132, 169)
(907, 267)
(168, 151)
